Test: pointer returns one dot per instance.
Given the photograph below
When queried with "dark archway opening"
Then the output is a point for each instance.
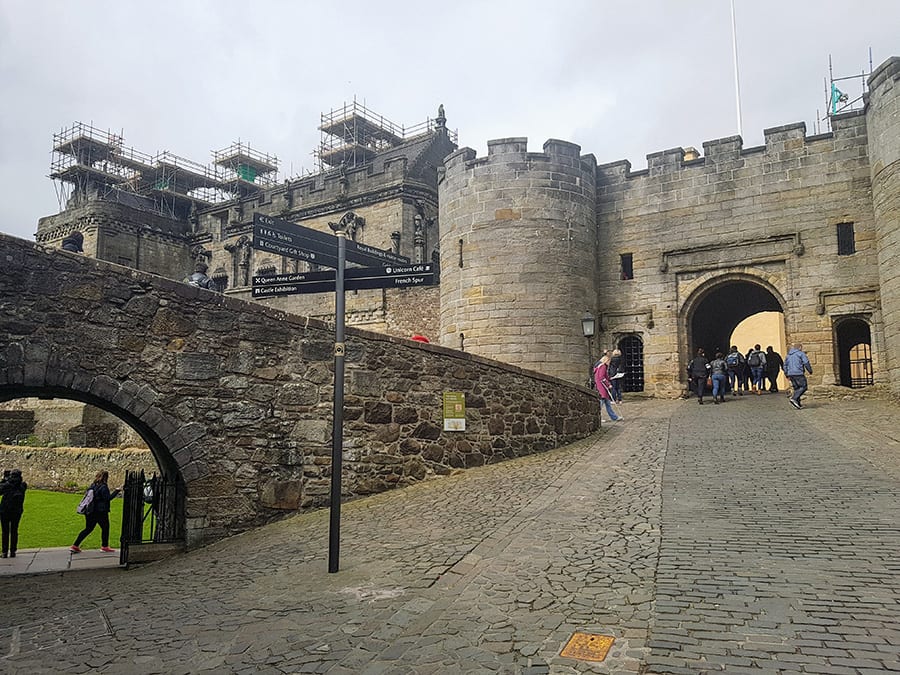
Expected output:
(721, 309)
(854, 353)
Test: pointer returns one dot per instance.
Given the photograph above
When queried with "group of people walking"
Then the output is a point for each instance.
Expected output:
(748, 373)
(96, 512)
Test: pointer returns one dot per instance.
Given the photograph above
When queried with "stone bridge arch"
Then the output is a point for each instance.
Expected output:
(130, 402)
(236, 398)
(716, 303)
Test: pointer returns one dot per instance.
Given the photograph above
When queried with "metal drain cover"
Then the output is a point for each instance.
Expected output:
(587, 647)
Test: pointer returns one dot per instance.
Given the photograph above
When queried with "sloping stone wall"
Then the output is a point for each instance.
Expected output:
(237, 397)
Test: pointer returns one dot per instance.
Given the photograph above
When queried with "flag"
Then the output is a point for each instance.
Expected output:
(837, 96)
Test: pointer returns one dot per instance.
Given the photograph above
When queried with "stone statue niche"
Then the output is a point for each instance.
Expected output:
(240, 251)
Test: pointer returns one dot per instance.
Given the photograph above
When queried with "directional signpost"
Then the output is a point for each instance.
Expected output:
(384, 269)
(283, 237)
(355, 279)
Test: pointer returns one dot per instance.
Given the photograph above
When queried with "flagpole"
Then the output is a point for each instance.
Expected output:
(737, 82)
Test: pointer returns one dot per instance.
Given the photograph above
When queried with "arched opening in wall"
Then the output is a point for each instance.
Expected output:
(632, 348)
(765, 329)
(853, 341)
(735, 310)
(59, 443)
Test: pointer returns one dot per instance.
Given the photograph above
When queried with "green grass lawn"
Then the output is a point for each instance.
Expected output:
(50, 520)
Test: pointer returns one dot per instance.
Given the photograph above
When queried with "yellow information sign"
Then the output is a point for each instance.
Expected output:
(454, 411)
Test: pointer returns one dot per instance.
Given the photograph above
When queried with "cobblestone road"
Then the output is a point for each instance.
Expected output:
(745, 537)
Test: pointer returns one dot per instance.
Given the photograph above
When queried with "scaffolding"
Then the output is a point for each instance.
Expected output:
(352, 135)
(84, 162)
(245, 170)
(89, 163)
(837, 101)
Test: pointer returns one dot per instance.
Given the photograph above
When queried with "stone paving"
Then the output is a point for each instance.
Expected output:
(745, 537)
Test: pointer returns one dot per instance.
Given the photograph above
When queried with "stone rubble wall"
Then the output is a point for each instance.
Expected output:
(72, 469)
(237, 398)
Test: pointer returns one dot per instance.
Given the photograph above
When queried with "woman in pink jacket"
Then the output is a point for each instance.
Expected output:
(604, 387)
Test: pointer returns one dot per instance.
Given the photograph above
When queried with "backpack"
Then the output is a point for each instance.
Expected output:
(86, 505)
(733, 359)
(753, 360)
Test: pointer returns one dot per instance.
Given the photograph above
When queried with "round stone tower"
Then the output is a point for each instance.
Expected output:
(883, 127)
(518, 255)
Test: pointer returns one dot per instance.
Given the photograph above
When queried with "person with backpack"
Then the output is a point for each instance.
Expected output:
(756, 359)
(698, 371)
(97, 512)
(735, 363)
(12, 504)
(719, 369)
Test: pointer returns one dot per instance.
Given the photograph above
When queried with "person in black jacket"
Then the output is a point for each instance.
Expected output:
(98, 513)
(774, 364)
(698, 371)
(12, 501)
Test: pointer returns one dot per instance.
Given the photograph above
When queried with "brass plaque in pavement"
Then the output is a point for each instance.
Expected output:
(587, 647)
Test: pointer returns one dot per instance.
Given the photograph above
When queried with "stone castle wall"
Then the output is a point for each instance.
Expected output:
(767, 215)
(124, 235)
(884, 152)
(755, 218)
(518, 251)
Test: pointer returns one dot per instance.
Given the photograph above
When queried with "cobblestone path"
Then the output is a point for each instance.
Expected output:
(745, 537)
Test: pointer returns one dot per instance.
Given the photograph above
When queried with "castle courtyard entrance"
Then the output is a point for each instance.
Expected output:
(719, 307)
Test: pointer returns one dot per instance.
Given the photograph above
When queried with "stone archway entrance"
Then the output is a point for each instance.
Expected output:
(153, 513)
(717, 308)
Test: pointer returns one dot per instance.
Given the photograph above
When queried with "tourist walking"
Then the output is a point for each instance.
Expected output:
(756, 359)
(604, 387)
(97, 513)
(616, 373)
(12, 504)
(719, 373)
(735, 363)
(796, 365)
(698, 371)
(774, 364)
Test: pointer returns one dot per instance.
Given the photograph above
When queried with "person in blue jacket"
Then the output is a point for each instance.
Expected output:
(796, 365)
(98, 513)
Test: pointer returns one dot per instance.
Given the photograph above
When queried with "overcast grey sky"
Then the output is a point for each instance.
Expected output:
(621, 78)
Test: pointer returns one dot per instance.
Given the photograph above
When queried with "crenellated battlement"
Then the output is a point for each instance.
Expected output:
(788, 138)
(560, 154)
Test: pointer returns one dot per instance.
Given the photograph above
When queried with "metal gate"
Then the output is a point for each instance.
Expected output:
(153, 512)
(861, 371)
(632, 348)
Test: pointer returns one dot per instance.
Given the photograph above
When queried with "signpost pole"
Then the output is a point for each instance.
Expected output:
(337, 443)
